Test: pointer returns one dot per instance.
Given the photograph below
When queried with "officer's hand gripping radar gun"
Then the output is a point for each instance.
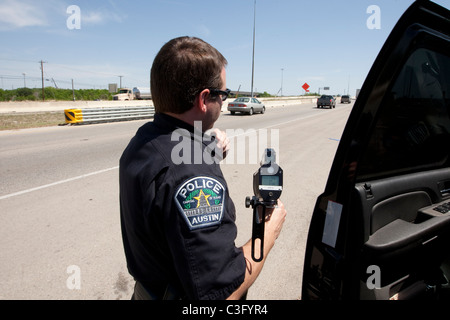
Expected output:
(267, 187)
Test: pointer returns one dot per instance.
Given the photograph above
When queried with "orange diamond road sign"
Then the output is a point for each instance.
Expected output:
(305, 87)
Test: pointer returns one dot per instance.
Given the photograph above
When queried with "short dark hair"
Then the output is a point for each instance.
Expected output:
(182, 68)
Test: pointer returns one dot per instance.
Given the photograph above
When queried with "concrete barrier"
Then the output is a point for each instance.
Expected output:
(55, 106)
(278, 101)
(287, 101)
(131, 112)
(104, 111)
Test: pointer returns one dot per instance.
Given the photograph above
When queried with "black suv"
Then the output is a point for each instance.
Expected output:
(381, 228)
(326, 101)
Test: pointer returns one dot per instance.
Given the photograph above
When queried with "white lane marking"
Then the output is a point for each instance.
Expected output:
(57, 183)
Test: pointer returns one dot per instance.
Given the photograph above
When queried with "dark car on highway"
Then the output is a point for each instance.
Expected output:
(346, 99)
(381, 228)
(326, 101)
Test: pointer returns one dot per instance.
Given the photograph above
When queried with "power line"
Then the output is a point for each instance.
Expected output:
(44, 76)
(84, 70)
(18, 60)
(48, 78)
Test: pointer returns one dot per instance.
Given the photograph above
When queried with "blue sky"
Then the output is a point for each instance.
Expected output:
(326, 43)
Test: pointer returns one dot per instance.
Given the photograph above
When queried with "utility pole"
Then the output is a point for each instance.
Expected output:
(120, 81)
(73, 92)
(42, 77)
(282, 81)
(348, 85)
(253, 57)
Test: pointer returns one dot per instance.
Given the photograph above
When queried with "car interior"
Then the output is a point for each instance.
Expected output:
(403, 183)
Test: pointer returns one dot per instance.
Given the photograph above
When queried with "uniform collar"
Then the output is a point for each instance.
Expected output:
(169, 123)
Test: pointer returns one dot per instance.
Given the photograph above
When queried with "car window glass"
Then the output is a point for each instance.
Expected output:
(412, 131)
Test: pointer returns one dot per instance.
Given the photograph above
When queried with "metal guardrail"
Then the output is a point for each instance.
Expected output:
(92, 115)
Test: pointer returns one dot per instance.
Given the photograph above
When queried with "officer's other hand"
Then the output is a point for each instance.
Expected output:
(222, 141)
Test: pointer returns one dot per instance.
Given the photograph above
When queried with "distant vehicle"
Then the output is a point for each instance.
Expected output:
(124, 94)
(346, 99)
(326, 101)
(246, 105)
(142, 93)
(137, 93)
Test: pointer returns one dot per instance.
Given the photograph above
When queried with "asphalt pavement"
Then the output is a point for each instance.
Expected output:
(59, 206)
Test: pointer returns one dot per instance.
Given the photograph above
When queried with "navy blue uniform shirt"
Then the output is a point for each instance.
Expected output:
(177, 218)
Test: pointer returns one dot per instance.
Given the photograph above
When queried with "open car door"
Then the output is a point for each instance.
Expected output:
(381, 229)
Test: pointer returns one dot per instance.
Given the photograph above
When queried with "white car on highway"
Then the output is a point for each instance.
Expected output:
(246, 105)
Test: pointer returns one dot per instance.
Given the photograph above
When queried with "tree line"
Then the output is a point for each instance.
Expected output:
(50, 93)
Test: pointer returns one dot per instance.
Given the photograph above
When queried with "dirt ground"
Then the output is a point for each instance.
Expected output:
(13, 121)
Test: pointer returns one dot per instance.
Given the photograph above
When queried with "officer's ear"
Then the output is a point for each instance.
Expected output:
(200, 101)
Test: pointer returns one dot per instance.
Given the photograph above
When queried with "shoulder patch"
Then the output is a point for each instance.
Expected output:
(200, 201)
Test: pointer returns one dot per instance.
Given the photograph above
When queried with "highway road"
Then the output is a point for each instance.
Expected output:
(59, 211)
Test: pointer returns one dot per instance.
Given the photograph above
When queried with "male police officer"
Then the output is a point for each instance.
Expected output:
(178, 220)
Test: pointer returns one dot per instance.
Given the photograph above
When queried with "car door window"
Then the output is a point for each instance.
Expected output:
(412, 130)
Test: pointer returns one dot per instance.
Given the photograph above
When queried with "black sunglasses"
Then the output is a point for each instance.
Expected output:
(223, 94)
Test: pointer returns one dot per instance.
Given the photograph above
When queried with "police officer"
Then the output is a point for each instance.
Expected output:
(177, 217)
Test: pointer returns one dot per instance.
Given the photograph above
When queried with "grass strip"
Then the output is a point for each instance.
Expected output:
(17, 120)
